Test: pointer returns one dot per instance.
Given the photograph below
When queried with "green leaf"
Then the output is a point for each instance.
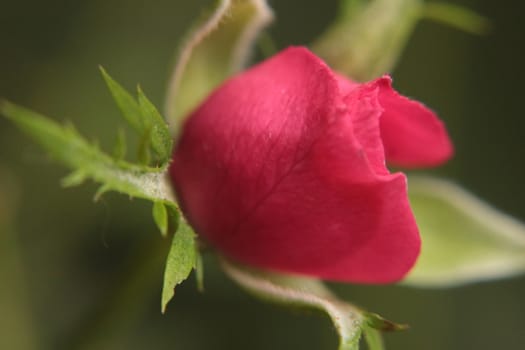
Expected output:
(160, 216)
(128, 106)
(75, 178)
(87, 161)
(217, 47)
(145, 119)
(182, 258)
(143, 149)
(464, 239)
(367, 39)
(457, 17)
(119, 151)
(66, 145)
(303, 292)
(159, 133)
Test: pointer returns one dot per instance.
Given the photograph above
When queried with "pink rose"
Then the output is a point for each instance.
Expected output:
(283, 168)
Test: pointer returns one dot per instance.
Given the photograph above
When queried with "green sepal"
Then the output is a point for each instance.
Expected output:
(373, 338)
(456, 16)
(349, 8)
(382, 324)
(464, 240)
(366, 39)
(218, 45)
(349, 320)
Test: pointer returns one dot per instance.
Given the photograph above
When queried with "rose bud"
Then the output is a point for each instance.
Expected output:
(283, 168)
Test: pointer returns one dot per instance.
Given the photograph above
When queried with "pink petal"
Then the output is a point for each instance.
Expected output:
(413, 136)
(273, 172)
(364, 114)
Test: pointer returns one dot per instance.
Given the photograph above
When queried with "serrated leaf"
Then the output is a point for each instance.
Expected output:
(67, 146)
(143, 149)
(159, 134)
(119, 150)
(87, 161)
(216, 48)
(102, 190)
(464, 239)
(160, 216)
(366, 40)
(126, 103)
(181, 260)
(304, 292)
(456, 16)
(144, 117)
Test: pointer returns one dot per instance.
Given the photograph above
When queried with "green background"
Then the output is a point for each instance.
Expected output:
(75, 274)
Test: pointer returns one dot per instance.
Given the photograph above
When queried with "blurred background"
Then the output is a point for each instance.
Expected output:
(76, 274)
